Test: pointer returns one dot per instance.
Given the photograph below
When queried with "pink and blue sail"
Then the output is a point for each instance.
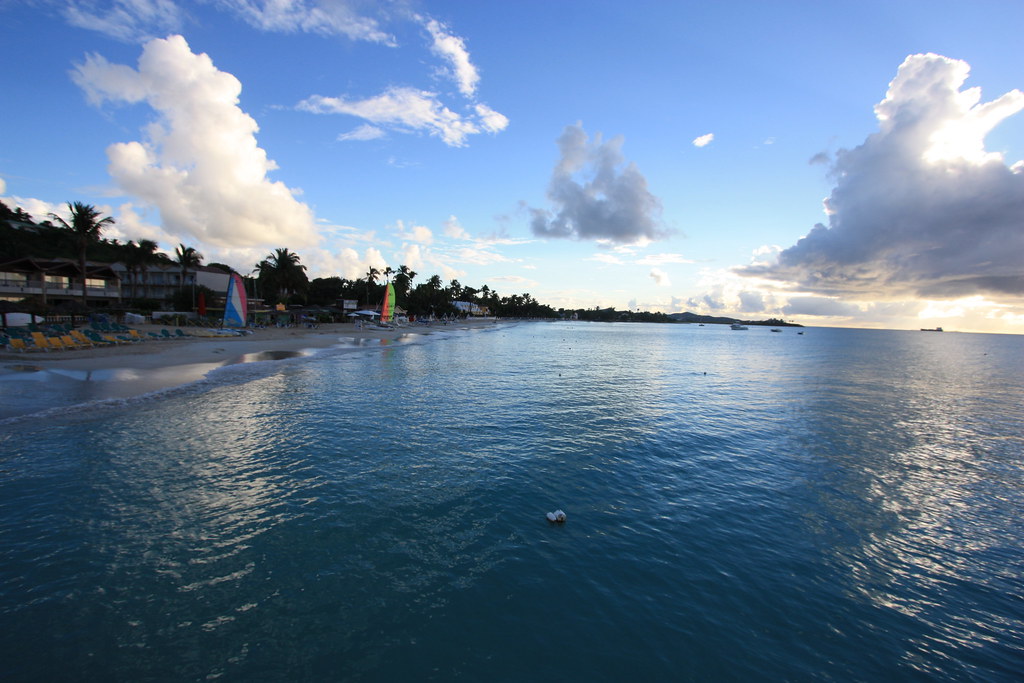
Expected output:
(236, 308)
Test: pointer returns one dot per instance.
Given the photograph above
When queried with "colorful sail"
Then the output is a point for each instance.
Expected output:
(387, 311)
(236, 309)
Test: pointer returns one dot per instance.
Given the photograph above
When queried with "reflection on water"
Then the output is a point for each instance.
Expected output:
(903, 427)
(262, 356)
(840, 505)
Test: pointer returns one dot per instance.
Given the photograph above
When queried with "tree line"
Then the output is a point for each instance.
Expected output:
(280, 278)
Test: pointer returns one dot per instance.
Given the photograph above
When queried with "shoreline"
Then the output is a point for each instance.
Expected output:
(130, 370)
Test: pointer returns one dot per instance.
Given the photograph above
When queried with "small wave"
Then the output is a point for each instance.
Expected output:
(246, 368)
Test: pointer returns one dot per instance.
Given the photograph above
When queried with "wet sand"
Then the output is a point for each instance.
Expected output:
(153, 364)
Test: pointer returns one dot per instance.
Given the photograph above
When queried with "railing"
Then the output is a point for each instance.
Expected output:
(36, 288)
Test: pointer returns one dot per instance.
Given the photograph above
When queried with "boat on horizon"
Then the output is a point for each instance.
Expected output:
(737, 326)
(931, 329)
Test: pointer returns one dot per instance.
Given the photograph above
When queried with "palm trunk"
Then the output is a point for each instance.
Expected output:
(85, 291)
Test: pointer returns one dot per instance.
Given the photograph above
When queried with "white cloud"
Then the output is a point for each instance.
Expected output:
(492, 121)
(660, 277)
(415, 233)
(453, 229)
(40, 210)
(596, 196)
(139, 20)
(127, 20)
(362, 133)
(133, 226)
(920, 209)
(403, 109)
(703, 140)
(610, 259)
(479, 255)
(412, 256)
(325, 17)
(199, 162)
(662, 259)
(452, 49)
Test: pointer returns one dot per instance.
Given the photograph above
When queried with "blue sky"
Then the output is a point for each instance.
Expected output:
(649, 155)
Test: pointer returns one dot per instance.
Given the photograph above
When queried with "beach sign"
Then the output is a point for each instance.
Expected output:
(235, 310)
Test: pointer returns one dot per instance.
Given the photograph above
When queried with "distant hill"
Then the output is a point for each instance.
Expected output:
(721, 320)
(695, 318)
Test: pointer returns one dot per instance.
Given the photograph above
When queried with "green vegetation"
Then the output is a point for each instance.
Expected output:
(278, 278)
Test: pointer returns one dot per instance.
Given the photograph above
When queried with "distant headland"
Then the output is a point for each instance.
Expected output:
(719, 320)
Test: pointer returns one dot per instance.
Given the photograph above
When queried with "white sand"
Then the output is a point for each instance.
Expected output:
(163, 363)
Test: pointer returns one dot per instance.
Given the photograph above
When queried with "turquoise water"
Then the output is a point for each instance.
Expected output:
(839, 505)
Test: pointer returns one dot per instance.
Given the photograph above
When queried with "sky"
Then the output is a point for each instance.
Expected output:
(839, 164)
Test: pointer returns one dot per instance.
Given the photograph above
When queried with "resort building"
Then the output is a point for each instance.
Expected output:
(55, 281)
(51, 282)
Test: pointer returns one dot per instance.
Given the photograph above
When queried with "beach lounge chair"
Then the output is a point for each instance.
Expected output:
(179, 333)
(43, 342)
(69, 342)
(98, 340)
(82, 340)
(18, 344)
(165, 334)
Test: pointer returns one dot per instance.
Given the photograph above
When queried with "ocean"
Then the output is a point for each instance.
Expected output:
(741, 505)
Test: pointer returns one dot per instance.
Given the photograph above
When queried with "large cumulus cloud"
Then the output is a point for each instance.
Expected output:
(199, 162)
(595, 196)
(920, 209)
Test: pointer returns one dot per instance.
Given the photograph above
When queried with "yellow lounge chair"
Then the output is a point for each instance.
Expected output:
(16, 344)
(81, 339)
(69, 342)
(43, 342)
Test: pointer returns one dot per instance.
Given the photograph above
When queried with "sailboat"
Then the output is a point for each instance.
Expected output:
(236, 309)
(236, 312)
(387, 309)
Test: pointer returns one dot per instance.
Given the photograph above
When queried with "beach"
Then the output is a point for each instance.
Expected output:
(141, 367)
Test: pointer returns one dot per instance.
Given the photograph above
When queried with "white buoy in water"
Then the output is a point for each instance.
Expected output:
(556, 516)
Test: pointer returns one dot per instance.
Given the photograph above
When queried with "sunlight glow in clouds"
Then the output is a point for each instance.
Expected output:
(920, 209)
(200, 163)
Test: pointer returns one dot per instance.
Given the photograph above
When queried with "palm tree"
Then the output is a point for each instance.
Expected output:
(282, 273)
(187, 257)
(403, 281)
(147, 256)
(87, 230)
(371, 279)
(139, 256)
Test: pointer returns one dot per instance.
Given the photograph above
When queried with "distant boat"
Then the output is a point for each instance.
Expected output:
(737, 326)
(931, 329)
(775, 329)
